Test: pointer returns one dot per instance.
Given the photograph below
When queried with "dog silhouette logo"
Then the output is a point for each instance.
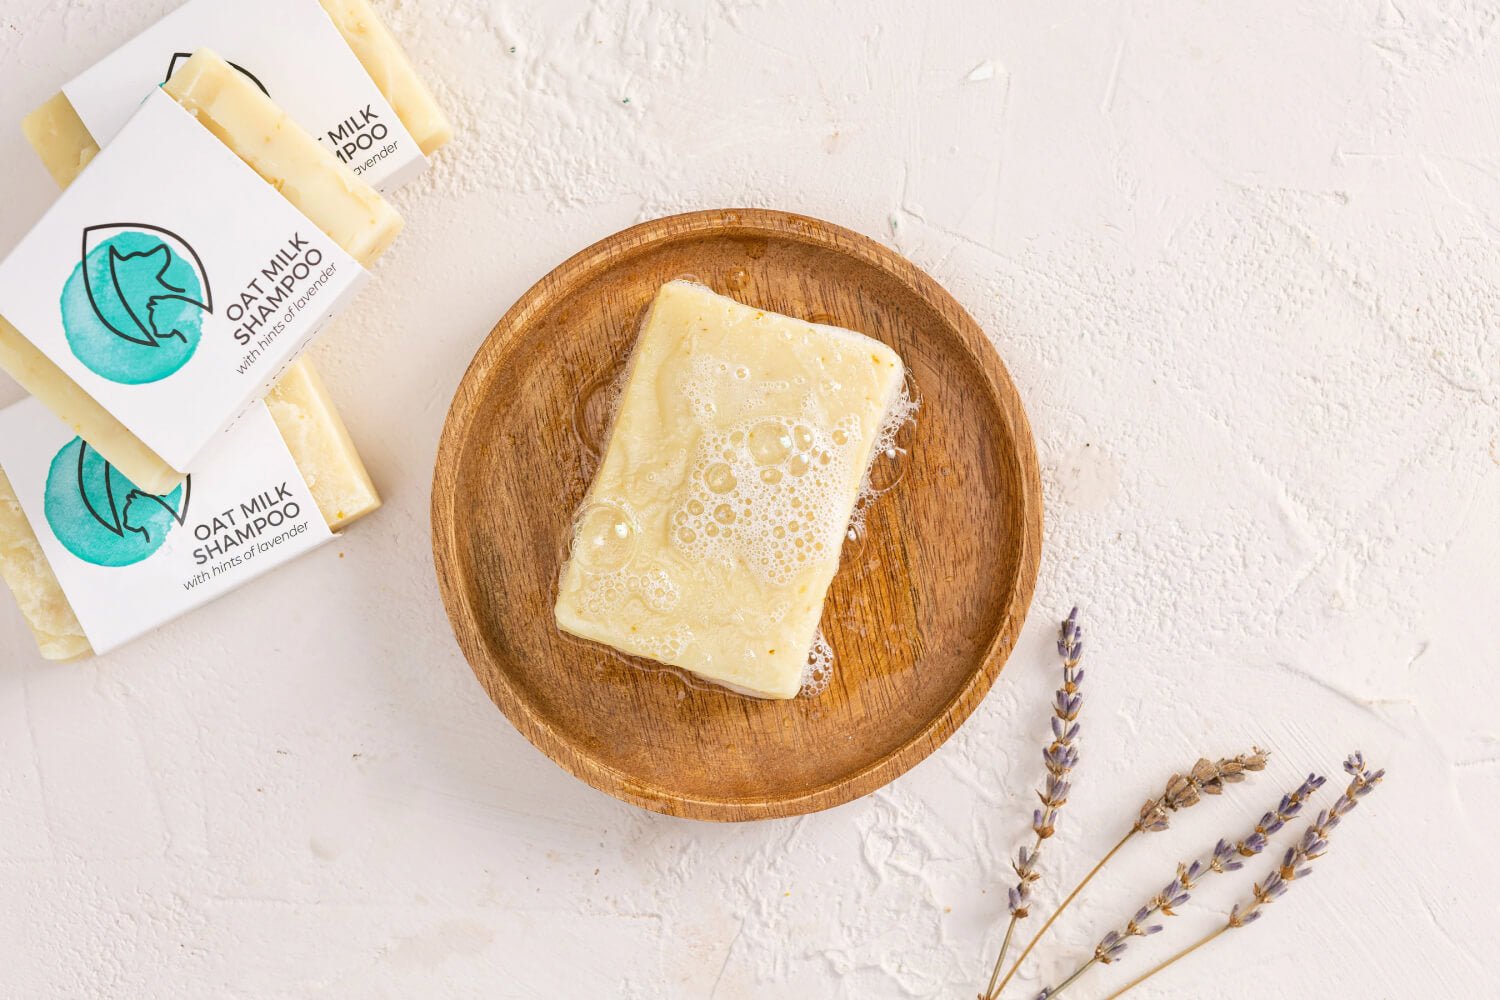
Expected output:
(100, 516)
(133, 306)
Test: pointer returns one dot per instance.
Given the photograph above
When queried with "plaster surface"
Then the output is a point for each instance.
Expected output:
(1240, 259)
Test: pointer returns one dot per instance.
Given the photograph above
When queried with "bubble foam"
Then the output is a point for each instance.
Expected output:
(764, 493)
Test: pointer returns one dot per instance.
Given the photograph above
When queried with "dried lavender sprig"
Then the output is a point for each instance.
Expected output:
(1182, 792)
(1059, 758)
(1295, 863)
(1224, 858)
(1206, 778)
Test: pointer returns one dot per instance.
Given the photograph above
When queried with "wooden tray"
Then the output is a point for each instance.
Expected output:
(926, 604)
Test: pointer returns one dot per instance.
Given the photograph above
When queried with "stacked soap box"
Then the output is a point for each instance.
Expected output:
(218, 211)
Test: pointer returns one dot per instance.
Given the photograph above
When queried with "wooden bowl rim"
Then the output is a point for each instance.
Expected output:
(494, 350)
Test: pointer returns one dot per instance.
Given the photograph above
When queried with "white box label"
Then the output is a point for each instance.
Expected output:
(172, 283)
(130, 561)
(291, 50)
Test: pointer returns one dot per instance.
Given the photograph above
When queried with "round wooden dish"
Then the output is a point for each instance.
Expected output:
(927, 602)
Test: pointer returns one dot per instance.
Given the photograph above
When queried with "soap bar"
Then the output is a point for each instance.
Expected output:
(300, 402)
(315, 435)
(713, 527)
(319, 443)
(61, 138)
(327, 194)
(387, 63)
(349, 211)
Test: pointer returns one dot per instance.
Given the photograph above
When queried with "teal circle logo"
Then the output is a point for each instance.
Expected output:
(100, 516)
(133, 307)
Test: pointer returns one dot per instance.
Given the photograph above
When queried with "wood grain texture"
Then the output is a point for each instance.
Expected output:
(928, 599)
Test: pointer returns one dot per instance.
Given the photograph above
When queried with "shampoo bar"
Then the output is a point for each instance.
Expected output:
(314, 434)
(300, 403)
(58, 132)
(713, 527)
(386, 62)
(319, 443)
(60, 138)
(348, 211)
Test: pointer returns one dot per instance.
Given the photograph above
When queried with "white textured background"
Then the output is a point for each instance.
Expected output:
(1241, 260)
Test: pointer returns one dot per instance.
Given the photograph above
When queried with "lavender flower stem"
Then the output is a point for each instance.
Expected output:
(1184, 953)
(1294, 865)
(1225, 857)
(1058, 912)
(1010, 930)
(1060, 756)
(1182, 792)
(1076, 975)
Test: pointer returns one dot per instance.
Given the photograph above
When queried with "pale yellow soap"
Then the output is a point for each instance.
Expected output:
(60, 138)
(714, 524)
(319, 444)
(314, 434)
(228, 104)
(65, 146)
(348, 210)
(387, 63)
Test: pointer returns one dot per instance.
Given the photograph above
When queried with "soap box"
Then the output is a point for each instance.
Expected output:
(129, 561)
(287, 48)
(172, 283)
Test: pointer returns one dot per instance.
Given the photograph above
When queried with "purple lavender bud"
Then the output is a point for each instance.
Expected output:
(1111, 947)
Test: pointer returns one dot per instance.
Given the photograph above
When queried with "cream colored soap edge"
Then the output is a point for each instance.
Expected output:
(239, 114)
(320, 445)
(348, 210)
(65, 146)
(41, 377)
(384, 58)
(60, 138)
